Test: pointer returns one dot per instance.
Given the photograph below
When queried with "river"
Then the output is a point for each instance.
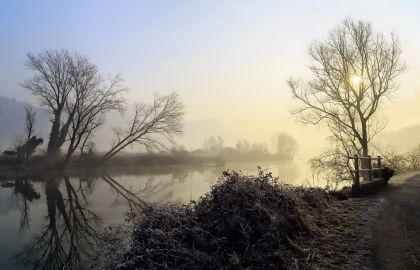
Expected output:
(50, 221)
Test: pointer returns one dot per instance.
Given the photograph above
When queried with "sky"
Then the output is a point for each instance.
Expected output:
(228, 60)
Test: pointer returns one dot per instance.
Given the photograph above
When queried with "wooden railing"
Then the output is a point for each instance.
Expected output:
(368, 171)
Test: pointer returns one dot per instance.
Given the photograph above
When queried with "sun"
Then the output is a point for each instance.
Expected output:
(356, 80)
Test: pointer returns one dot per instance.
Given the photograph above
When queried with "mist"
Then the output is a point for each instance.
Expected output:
(209, 134)
(230, 73)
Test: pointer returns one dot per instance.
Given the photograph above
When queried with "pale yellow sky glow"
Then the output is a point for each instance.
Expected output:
(356, 80)
(228, 60)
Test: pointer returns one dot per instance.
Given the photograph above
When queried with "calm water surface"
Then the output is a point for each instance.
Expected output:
(47, 222)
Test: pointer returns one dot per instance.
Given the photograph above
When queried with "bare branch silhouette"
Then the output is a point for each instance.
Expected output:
(69, 86)
(71, 235)
(92, 98)
(30, 121)
(353, 70)
(151, 125)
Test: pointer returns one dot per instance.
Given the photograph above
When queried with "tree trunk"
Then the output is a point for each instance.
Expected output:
(54, 135)
(70, 151)
(62, 134)
(365, 151)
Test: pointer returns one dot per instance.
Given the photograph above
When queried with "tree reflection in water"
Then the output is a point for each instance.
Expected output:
(70, 234)
(23, 193)
(133, 200)
(154, 190)
(73, 235)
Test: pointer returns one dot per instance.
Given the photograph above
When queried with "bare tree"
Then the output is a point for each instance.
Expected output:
(413, 158)
(92, 99)
(151, 125)
(399, 161)
(213, 144)
(284, 145)
(333, 164)
(243, 146)
(75, 95)
(30, 121)
(24, 145)
(52, 83)
(353, 70)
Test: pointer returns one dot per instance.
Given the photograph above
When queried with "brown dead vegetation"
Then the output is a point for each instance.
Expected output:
(244, 222)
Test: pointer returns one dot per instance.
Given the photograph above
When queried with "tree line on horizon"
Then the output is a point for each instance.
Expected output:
(282, 146)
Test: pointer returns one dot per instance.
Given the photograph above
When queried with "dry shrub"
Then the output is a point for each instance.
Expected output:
(244, 221)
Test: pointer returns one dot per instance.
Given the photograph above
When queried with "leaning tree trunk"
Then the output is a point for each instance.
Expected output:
(71, 149)
(69, 153)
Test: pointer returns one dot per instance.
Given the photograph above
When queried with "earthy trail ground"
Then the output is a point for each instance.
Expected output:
(397, 229)
(377, 232)
(347, 241)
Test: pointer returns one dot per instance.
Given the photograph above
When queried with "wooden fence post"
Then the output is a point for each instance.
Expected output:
(356, 170)
(370, 168)
(380, 167)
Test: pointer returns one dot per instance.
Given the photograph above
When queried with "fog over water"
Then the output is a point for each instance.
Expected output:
(35, 211)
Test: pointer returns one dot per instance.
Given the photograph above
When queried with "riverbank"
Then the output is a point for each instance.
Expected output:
(257, 223)
(130, 161)
(244, 221)
(41, 162)
(329, 234)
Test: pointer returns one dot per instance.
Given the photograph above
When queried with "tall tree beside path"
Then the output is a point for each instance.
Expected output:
(353, 71)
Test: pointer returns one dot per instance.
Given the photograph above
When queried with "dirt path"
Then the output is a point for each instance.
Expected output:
(381, 231)
(396, 232)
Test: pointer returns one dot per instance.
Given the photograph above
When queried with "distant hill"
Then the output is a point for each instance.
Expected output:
(12, 121)
(402, 139)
